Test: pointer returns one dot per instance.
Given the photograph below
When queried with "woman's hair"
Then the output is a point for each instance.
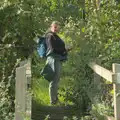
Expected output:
(55, 22)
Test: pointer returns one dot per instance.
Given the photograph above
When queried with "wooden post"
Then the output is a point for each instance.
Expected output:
(28, 92)
(23, 96)
(116, 87)
(20, 104)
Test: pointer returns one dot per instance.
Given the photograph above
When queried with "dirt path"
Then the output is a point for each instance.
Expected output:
(54, 112)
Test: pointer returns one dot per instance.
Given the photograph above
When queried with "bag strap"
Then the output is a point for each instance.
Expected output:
(52, 35)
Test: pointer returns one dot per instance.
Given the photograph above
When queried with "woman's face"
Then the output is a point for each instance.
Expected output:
(55, 28)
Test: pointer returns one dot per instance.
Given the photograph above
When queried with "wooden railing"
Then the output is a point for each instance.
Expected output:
(114, 77)
(23, 83)
(22, 92)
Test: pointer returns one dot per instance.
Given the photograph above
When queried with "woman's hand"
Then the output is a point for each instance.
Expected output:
(69, 48)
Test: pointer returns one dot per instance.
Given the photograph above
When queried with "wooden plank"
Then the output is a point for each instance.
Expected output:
(108, 75)
(23, 96)
(110, 118)
(20, 106)
(116, 87)
(116, 78)
(28, 93)
(22, 63)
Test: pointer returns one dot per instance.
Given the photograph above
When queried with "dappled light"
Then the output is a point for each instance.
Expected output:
(88, 33)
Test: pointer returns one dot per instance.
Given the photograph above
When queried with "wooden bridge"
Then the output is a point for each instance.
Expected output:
(26, 108)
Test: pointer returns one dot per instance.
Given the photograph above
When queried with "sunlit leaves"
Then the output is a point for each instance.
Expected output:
(22, 20)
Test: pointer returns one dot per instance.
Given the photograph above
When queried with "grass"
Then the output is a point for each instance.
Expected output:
(41, 90)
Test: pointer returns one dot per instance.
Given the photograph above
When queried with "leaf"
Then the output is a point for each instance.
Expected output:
(83, 29)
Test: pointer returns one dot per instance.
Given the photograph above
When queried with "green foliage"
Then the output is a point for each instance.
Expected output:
(101, 110)
(96, 38)
(101, 44)
(6, 112)
(102, 35)
(102, 32)
(40, 91)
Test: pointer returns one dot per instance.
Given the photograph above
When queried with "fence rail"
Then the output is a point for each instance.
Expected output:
(108, 75)
(114, 77)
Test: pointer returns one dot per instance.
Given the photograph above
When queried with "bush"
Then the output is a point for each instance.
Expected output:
(6, 112)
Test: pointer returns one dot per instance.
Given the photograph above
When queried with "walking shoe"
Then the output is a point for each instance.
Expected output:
(55, 101)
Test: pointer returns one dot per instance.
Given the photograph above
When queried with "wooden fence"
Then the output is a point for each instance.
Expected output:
(23, 96)
(23, 85)
(114, 77)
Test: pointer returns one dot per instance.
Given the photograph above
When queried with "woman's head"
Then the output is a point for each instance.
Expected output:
(55, 26)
